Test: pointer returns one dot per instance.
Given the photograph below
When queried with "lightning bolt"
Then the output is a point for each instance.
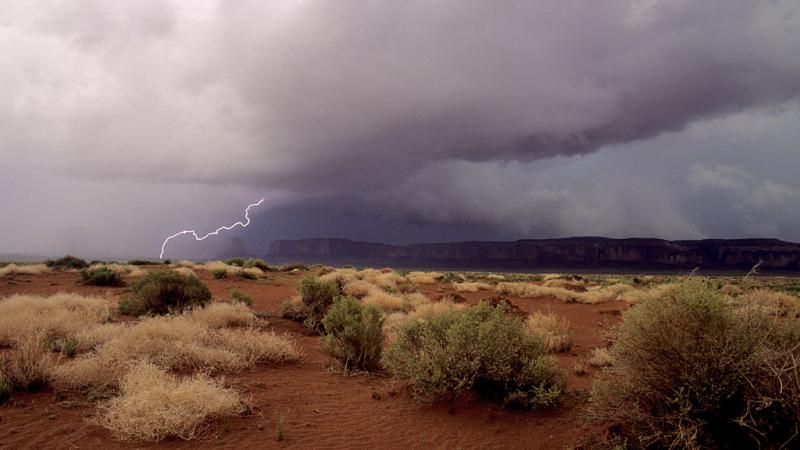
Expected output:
(215, 232)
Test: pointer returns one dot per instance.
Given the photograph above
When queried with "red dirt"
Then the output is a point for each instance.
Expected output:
(324, 408)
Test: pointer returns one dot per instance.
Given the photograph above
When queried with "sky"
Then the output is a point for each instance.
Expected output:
(415, 121)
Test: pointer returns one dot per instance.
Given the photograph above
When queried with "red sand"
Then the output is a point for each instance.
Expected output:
(324, 408)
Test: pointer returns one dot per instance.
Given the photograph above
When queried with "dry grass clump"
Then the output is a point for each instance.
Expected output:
(185, 271)
(473, 286)
(223, 314)
(496, 277)
(191, 341)
(562, 283)
(424, 277)
(213, 266)
(777, 303)
(58, 316)
(28, 366)
(384, 301)
(23, 269)
(552, 330)
(600, 357)
(591, 296)
(185, 263)
(154, 405)
(422, 308)
(254, 272)
(731, 290)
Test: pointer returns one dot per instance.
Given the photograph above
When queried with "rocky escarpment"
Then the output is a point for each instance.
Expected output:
(584, 252)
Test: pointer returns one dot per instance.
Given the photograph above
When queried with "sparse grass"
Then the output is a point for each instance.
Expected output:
(23, 269)
(552, 330)
(777, 303)
(185, 271)
(280, 426)
(221, 314)
(185, 263)
(240, 297)
(154, 405)
(591, 296)
(5, 389)
(580, 368)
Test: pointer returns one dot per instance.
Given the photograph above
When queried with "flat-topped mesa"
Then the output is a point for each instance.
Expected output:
(578, 252)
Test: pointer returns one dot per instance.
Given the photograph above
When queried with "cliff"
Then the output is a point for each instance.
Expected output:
(582, 252)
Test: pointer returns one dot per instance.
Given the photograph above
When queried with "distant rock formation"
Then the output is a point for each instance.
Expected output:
(580, 252)
(236, 250)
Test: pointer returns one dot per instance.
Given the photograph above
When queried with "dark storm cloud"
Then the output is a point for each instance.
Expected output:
(380, 101)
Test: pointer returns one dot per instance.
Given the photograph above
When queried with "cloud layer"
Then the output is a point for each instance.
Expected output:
(439, 112)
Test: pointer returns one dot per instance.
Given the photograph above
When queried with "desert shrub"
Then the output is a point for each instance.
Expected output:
(101, 276)
(471, 286)
(247, 274)
(257, 263)
(154, 405)
(219, 274)
(353, 333)
(292, 267)
(67, 262)
(164, 291)
(140, 262)
(240, 297)
(691, 371)
(295, 309)
(220, 314)
(238, 262)
(318, 296)
(775, 302)
(600, 357)
(423, 277)
(481, 349)
(185, 263)
(29, 366)
(551, 330)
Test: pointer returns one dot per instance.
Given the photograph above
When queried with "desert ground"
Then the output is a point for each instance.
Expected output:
(309, 399)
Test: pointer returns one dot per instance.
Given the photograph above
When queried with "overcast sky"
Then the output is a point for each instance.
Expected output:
(123, 122)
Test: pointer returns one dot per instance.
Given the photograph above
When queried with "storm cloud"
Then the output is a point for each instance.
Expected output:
(532, 119)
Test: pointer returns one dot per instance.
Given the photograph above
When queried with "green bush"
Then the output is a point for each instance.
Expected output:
(220, 273)
(241, 297)
(256, 262)
(482, 349)
(67, 262)
(238, 262)
(165, 291)
(101, 276)
(245, 275)
(297, 311)
(353, 333)
(691, 371)
(318, 296)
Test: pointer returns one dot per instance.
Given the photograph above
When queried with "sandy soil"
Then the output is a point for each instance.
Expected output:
(324, 408)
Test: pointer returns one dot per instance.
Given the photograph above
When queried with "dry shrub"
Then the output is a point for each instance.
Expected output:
(219, 266)
(185, 263)
(691, 371)
(551, 276)
(552, 330)
(562, 283)
(58, 316)
(473, 286)
(28, 366)
(23, 269)
(496, 277)
(154, 405)
(221, 314)
(424, 277)
(186, 342)
(777, 303)
(130, 270)
(358, 288)
(731, 290)
(600, 357)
